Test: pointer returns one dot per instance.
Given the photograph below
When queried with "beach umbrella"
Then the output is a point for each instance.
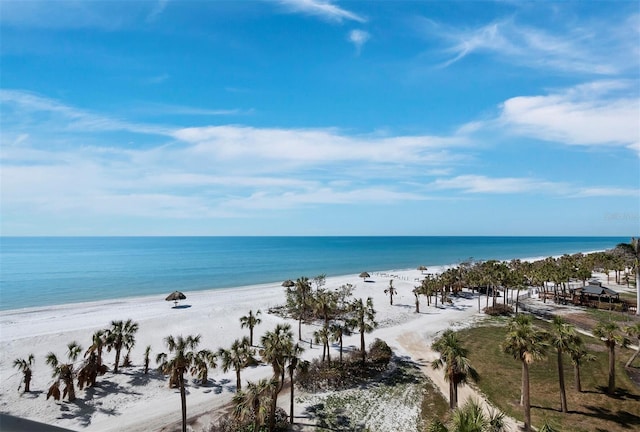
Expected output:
(365, 275)
(288, 283)
(422, 268)
(175, 296)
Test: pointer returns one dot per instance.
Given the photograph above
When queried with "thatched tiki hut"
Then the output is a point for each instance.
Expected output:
(594, 294)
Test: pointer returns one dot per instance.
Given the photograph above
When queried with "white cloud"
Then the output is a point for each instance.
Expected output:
(323, 9)
(590, 114)
(358, 38)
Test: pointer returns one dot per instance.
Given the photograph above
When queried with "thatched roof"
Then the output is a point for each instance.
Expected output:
(175, 296)
(598, 290)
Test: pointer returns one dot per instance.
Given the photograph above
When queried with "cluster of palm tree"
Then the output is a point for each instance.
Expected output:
(339, 314)
(121, 335)
(493, 276)
(528, 343)
(257, 403)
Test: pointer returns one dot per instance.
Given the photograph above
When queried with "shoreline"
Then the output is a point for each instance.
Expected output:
(136, 402)
(154, 297)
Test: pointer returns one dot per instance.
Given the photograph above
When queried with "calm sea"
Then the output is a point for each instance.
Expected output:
(41, 271)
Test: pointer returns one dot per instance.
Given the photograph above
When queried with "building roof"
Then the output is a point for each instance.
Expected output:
(598, 290)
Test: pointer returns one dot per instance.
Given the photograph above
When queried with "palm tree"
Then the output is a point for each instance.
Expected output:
(363, 320)
(238, 357)
(526, 344)
(300, 293)
(608, 331)
(202, 361)
(120, 334)
(457, 368)
(250, 321)
(88, 373)
(97, 344)
(294, 361)
(322, 336)
(24, 366)
(324, 304)
(184, 349)
(563, 337)
(391, 291)
(471, 418)
(147, 352)
(579, 356)
(254, 403)
(63, 372)
(416, 293)
(338, 331)
(276, 344)
(633, 331)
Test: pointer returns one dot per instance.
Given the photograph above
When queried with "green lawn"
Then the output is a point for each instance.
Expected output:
(591, 410)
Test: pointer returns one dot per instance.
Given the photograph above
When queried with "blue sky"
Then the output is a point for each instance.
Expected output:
(310, 117)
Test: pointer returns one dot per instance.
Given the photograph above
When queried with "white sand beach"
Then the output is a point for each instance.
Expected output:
(133, 401)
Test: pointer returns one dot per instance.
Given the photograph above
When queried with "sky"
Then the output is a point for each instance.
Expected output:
(319, 117)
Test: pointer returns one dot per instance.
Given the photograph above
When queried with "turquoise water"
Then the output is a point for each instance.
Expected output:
(41, 271)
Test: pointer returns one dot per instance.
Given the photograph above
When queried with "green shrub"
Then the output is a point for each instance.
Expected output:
(499, 310)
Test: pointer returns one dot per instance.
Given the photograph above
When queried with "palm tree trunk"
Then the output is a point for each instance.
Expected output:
(525, 394)
(612, 368)
(115, 366)
(272, 413)
(563, 394)
(328, 352)
(300, 327)
(27, 380)
(238, 381)
(340, 347)
(364, 354)
(452, 399)
(455, 395)
(291, 402)
(183, 401)
(251, 335)
(72, 390)
(576, 374)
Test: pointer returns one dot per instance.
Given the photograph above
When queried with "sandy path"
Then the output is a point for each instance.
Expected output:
(418, 347)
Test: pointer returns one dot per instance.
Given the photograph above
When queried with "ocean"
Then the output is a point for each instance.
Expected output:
(43, 271)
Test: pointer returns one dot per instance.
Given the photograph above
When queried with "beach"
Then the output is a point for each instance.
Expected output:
(133, 401)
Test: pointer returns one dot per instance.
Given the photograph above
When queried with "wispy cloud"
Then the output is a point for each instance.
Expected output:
(174, 110)
(594, 49)
(157, 10)
(324, 9)
(478, 184)
(22, 108)
(358, 38)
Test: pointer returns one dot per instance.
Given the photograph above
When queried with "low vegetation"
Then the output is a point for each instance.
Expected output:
(589, 410)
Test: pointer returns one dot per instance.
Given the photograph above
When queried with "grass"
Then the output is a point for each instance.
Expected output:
(591, 410)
